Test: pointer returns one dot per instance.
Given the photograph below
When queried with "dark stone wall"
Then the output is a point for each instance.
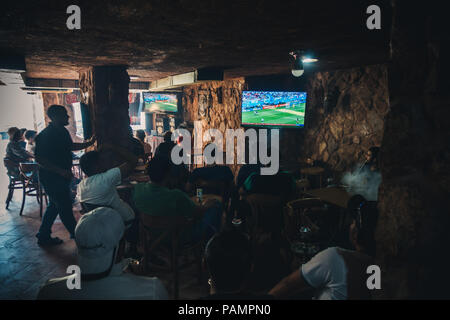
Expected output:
(344, 117)
(345, 114)
(412, 233)
(216, 104)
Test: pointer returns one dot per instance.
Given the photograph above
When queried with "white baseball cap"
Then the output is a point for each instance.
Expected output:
(97, 235)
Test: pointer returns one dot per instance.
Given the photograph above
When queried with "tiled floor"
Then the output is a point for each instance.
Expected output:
(24, 266)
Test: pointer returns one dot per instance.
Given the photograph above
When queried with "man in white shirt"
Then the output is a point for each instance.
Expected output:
(97, 237)
(336, 273)
(99, 188)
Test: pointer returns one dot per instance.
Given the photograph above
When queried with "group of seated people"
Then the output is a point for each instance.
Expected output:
(230, 256)
(20, 148)
(334, 273)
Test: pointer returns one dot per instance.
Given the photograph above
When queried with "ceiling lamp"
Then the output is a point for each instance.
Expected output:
(299, 59)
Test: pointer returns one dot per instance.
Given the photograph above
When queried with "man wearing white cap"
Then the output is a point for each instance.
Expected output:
(97, 236)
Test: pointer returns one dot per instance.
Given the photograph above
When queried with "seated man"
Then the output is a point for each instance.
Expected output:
(165, 148)
(280, 184)
(97, 237)
(99, 188)
(228, 257)
(211, 172)
(156, 199)
(336, 273)
(140, 134)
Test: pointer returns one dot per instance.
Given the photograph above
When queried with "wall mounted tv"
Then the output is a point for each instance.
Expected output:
(273, 108)
(160, 102)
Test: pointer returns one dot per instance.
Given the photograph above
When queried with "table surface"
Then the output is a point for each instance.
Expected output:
(335, 195)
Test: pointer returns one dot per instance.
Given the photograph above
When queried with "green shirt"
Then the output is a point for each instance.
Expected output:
(160, 201)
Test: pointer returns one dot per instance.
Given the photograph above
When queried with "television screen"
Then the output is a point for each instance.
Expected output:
(160, 102)
(273, 108)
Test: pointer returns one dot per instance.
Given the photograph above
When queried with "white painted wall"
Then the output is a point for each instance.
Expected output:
(16, 110)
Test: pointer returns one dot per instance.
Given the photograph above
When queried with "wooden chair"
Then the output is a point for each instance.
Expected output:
(31, 185)
(155, 231)
(15, 179)
(265, 216)
(296, 216)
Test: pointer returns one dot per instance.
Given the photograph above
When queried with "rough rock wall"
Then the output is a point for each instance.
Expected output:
(345, 114)
(344, 117)
(413, 228)
(215, 104)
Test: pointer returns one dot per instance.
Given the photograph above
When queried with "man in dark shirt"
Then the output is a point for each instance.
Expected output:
(165, 148)
(53, 152)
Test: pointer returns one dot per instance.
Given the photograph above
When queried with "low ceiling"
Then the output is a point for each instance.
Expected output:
(158, 38)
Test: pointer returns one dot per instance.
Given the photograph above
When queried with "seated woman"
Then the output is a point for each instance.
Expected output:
(15, 153)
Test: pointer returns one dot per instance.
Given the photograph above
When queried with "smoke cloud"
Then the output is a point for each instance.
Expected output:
(363, 181)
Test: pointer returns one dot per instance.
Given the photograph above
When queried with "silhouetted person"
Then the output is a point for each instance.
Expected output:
(140, 134)
(165, 148)
(228, 258)
(53, 152)
(15, 152)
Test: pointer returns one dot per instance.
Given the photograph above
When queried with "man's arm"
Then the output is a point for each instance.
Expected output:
(21, 152)
(130, 158)
(80, 146)
(290, 285)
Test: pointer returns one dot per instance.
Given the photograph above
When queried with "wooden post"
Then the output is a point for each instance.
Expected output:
(105, 90)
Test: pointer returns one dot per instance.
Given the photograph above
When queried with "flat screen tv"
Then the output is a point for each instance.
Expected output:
(273, 108)
(160, 102)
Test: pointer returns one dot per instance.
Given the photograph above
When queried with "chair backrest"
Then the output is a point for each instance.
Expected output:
(12, 168)
(304, 203)
(296, 210)
(160, 222)
(28, 169)
(266, 215)
(166, 228)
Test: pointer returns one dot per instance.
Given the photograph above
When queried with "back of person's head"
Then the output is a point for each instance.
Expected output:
(168, 136)
(97, 236)
(158, 168)
(228, 257)
(140, 134)
(55, 110)
(30, 134)
(13, 133)
(90, 163)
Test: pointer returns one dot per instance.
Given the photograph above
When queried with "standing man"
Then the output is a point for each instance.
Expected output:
(53, 153)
